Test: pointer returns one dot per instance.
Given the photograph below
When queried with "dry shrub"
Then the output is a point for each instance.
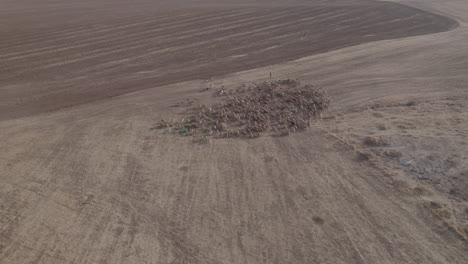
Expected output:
(422, 191)
(318, 220)
(381, 127)
(452, 162)
(365, 156)
(393, 153)
(401, 184)
(273, 108)
(435, 205)
(378, 114)
(374, 141)
(443, 213)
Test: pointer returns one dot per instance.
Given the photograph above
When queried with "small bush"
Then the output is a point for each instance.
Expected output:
(393, 153)
(381, 127)
(374, 141)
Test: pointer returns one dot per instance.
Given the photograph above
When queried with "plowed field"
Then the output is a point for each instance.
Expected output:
(60, 54)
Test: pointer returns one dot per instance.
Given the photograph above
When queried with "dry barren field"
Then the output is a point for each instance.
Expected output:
(57, 54)
(380, 177)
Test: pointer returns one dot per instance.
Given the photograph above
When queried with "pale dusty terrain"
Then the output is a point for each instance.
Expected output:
(87, 181)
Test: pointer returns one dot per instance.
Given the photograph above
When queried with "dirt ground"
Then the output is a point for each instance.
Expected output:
(59, 55)
(421, 139)
(381, 178)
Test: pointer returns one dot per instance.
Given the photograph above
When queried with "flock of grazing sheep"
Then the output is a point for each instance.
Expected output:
(275, 108)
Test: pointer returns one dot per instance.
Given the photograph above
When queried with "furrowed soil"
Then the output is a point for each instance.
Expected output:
(379, 178)
(57, 54)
